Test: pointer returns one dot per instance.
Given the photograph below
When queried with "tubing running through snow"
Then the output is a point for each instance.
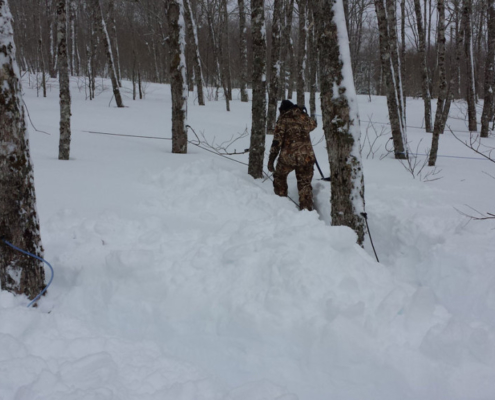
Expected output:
(38, 258)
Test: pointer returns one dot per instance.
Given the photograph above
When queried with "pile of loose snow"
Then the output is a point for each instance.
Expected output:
(181, 277)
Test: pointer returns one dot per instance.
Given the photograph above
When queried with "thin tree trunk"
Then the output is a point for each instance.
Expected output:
(63, 76)
(286, 56)
(402, 57)
(243, 50)
(274, 68)
(258, 125)
(53, 41)
(487, 115)
(215, 45)
(301, 54)
(71, 26)
(100, 22)
(388, 70)
(192, 33)
(42, 63)
(134, 61)
(442, 93)
(19, 224)
(468, 49)
(459, 40)
(394, 51)
(290, 49)
(340, 119)
(75, 62)
(177, 76)
(424, 68)
(312, 59)
(223, 54)
(226, 48)
(114, 41)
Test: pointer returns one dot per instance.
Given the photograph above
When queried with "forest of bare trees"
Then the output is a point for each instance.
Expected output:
(139, 35)
(441, 50)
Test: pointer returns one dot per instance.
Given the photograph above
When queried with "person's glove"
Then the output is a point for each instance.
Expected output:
(271, 162)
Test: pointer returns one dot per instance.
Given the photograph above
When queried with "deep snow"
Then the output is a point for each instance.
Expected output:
(180, 277)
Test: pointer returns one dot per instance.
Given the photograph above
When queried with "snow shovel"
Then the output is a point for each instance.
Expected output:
(321, 173)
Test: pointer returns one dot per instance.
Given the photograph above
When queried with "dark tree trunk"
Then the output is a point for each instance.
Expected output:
(459, 40)
(64, 81)
(388, 70)
(223, 51)
(468, 49)
(424, 68)
(442, 93)
(258, 125)
(301, 54)
(340, 120)
(226, 48)
(19, 225)
(274, 68)
(312, 59)
(177, 79)
(487, 115)
(243, 50)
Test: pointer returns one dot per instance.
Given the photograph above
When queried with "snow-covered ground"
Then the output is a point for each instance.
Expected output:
(180, 277)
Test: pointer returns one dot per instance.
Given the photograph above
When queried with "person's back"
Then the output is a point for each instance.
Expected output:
(291, 139)
(292, 132)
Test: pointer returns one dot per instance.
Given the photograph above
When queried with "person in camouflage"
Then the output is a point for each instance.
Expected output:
(291, 139)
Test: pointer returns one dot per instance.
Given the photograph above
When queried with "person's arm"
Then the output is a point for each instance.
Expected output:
(312, 123)
(276, 145)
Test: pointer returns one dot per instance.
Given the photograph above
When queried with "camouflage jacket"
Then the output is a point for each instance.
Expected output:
(291, 138)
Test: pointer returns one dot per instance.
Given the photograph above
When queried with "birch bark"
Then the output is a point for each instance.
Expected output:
(286, 56)
(19, 222)
(243, 50)
(258, 125)
(178, 86)
(274, 68)
(442, 93)
(487, 114)
(468, 50)
(388, 70)
(63, 77)
(301, 54)
(424, 68)
(340, 118)
(192, 33)
(102, 28)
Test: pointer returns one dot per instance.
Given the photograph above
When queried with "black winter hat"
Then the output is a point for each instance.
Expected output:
(286, 105)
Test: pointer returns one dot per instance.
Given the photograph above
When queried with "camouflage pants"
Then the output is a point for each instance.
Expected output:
(304, 175)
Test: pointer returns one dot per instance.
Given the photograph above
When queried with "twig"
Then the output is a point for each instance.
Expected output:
(30, 120)
(222, 148)
(482, 216)
(472, 147)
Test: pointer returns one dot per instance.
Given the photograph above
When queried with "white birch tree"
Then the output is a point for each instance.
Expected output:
(258, 125)
(64, 81)
(340, 118)
(19, 222)
(178, 85)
